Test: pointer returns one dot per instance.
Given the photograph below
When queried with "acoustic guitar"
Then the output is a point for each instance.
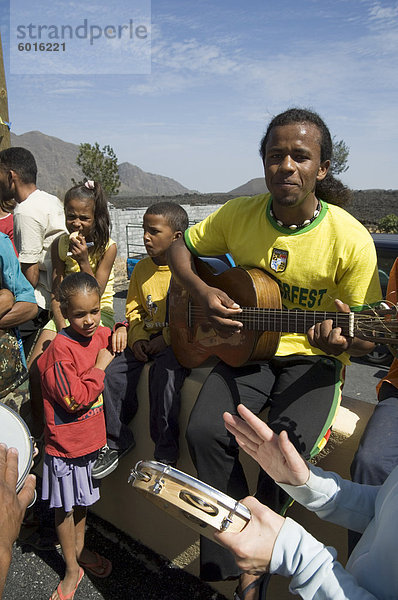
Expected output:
(194, 340)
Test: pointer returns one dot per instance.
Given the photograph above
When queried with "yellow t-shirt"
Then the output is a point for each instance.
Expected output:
(72, 266)
(333, 257)
(146, 304)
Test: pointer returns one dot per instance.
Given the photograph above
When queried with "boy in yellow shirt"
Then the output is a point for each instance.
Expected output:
(148, 339)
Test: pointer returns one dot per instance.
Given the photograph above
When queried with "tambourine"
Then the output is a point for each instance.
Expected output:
(198, 505)
(15, 433)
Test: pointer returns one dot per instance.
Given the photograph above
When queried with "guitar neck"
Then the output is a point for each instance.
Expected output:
(293, 321)
(195, 336)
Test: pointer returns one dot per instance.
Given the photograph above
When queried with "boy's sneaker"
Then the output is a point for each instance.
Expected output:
(107, 461)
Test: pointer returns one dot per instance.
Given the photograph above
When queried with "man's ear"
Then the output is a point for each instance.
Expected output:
(13, 178)
(323, 170)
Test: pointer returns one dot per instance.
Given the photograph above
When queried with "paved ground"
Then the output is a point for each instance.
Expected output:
(138, 573)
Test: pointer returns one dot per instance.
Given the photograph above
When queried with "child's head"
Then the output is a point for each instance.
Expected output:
(86, 211)
(164, 223)
(79, 297)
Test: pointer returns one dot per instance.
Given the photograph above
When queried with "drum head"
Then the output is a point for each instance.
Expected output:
(15, 433)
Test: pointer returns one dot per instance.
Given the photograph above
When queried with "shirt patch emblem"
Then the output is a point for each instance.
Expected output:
(279, 260)
(151, 306)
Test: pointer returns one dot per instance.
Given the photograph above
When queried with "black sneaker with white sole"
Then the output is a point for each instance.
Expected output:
(107, 461)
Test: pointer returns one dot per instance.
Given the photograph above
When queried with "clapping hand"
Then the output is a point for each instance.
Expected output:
(274, 453)
(253, 545)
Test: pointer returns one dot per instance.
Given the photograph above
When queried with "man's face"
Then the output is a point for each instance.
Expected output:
(6, 185)
(293, 163)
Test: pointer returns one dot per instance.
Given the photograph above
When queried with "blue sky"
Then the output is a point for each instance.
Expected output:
(219, 71)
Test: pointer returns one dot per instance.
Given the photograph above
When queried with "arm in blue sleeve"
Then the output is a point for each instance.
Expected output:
(315, 572)
(351, 505)
(11, 274)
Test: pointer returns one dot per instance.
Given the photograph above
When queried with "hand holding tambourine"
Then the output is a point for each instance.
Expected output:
(198, 505)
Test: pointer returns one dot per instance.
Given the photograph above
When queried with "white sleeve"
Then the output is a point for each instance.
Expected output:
(28, 236)
(315, 573)
(351, 505)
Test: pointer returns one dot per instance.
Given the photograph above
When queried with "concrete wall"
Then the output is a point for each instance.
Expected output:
(122, 217)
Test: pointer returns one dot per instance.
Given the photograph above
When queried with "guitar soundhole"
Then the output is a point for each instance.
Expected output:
(199, 503)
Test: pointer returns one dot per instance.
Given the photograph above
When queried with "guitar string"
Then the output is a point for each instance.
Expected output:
(255, 316)
(264, 312)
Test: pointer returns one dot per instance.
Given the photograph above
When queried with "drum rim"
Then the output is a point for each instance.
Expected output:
(23, 476)
(222, 498)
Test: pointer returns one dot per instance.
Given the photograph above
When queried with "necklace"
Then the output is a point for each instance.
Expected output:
(304, 224)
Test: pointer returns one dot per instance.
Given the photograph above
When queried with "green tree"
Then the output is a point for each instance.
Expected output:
(389, 224)
(340, 156)
(100, 165)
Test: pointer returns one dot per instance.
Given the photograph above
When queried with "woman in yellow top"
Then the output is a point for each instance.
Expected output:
(87, 248)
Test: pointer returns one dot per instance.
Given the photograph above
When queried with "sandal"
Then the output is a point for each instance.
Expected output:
(262, 584)
(101, 568)
(72, 594)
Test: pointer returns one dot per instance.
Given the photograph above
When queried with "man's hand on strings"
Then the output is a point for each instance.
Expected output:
(328, 338)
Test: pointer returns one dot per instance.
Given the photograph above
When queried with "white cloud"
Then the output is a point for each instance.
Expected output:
(74, 87)
(384, 14)
(162, 84)
(192, 55)
(307, 66)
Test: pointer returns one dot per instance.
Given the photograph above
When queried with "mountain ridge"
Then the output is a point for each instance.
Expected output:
(56, 163)
(250, 188)
(57, 166)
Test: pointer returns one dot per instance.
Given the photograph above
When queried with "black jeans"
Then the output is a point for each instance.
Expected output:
(166, 377)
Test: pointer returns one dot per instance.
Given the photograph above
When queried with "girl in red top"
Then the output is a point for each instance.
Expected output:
(72, 376)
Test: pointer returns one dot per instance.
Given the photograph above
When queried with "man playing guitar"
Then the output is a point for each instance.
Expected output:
(317, 253)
